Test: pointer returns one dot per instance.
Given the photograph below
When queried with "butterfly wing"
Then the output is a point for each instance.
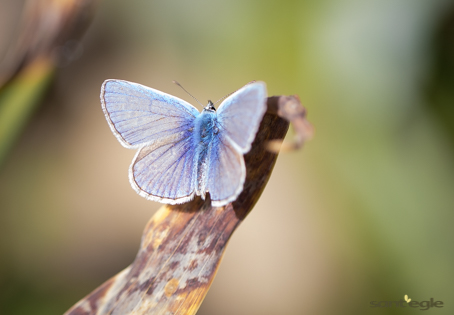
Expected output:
(226, 171)
(240, 114)
(161, 127)
(166, 171)
(238, 120)
(139, 115)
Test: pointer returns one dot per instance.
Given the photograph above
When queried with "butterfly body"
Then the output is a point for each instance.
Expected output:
(205, 125)
(184, 152)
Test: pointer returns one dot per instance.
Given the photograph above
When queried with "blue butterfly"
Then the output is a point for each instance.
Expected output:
(182, 152)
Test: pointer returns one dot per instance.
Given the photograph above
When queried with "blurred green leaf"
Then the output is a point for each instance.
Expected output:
(19, 98)
(48, 37)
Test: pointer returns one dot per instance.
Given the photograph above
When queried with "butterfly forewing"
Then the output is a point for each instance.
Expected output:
(140, 115)
(240, 114)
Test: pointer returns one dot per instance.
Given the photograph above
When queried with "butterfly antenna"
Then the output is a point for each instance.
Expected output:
(223, 98)
(175, 82)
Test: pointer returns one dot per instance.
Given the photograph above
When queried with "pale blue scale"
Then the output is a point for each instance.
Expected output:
(182, 152)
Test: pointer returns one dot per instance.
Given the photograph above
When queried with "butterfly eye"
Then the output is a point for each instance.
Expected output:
(216, 130)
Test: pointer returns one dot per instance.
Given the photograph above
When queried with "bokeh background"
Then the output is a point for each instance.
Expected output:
(363, 213)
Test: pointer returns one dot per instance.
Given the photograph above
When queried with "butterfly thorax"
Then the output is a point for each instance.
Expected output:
(205, 126)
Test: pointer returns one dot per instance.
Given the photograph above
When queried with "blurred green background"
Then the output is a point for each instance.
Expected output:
(363, 213)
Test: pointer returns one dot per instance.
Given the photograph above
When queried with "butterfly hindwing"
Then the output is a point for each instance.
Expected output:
(226, 171)
(140, 115)
(165, 170)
